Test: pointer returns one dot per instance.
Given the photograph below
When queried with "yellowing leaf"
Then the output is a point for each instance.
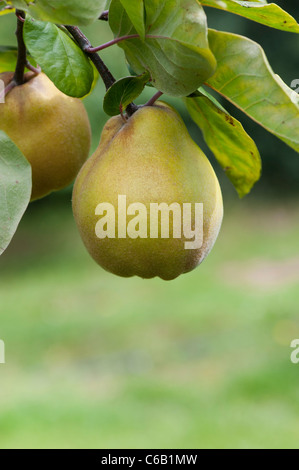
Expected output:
(268, 14)
(233, 148)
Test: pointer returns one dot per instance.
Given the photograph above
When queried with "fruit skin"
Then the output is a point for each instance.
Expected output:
(151, 158)
(51, 129)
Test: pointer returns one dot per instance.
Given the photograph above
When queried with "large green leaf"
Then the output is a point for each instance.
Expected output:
(233, 148)
(15, 188)
(73, 12)
(59, 57)
(268, 14)
(135, 11)
(175, 50)
(245, 78)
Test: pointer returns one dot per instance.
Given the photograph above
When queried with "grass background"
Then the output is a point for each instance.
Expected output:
(98, 361)
(93, 360)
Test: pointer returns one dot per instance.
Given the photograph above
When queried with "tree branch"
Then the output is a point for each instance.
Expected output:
(22, 53)
(107, 77)
(84, 44)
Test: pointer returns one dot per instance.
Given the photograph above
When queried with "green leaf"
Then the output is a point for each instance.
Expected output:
(59, 57)
(268, 14)
(245, 78)
(134, 74)
(135, 11)
(175, 50)
(15, 189)
(72, 12)
(123, 92)
(233, 148)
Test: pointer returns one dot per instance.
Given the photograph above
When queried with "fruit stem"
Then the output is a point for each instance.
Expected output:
(131, 109)
(152, 101)
(22, 53)
(104, 16)
(107, 77)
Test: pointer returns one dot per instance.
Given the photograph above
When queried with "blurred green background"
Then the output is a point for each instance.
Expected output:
(93, 360)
